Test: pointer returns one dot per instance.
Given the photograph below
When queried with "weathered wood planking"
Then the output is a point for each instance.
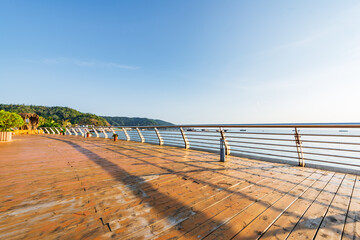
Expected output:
(75, 188)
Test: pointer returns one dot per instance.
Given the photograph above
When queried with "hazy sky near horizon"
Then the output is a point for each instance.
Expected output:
(185, 62)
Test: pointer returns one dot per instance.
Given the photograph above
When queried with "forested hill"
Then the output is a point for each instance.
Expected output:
(135, 121)
(64, 116)
(57, 115)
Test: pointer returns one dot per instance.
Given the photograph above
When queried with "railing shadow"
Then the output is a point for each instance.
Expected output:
(275, 169)
(333, 219)
(131, 179)
(280, 169)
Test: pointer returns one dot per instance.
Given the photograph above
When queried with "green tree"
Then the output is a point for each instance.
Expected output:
(10, 120)
(58, 114)
(41, 121)
(50, 123)
(65, 123)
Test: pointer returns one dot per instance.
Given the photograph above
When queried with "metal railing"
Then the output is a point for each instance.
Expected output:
(320, 145)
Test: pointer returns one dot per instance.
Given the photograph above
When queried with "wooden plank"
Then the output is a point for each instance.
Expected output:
(240, 221)
(352, 225)
(307, 226)
(211, 206)
(282, 227)
(58, 186)
(333, 223)
(179, 191)
(264, 220)
(225, 195)
(133, 205)
(247, 204)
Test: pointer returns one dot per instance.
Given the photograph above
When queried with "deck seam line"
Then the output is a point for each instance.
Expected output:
(88, 199)
(138, 151)
(281, 166)
(310, 206)
(299, 196)
(246, 207)
(229, 195)
(270, 205)
(347, 212)
(327, 210)
(320, 191)
(267, 170)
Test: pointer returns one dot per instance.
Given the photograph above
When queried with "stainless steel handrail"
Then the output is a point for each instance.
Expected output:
(277, 125)
(290, 140)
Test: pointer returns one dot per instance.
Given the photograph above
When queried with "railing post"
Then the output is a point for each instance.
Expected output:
(82, 134)
(96, 133)
(52, 131)
(57, 130)
(74, 131)
(299, 148)
(46, 130)
(140, 135)
(161, 142)
(105, 134)
(222, 150)
(68, 131)
(112, 130)
(126, 134)
(186, 142)
(226, 144)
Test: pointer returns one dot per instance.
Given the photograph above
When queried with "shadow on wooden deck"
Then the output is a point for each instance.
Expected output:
(183, 212)
(131, 181)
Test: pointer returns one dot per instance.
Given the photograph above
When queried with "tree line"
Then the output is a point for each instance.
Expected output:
(65, 116)
(57, 116)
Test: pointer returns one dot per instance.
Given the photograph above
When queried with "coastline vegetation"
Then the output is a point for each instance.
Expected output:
(65, 117)
(57, 116)
(9, 120)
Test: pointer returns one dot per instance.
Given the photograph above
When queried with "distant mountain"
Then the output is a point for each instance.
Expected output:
(135, 121)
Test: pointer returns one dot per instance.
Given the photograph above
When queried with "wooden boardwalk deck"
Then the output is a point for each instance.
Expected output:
(67, 187)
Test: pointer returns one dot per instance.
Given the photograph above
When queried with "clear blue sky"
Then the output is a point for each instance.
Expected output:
(185, 61)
